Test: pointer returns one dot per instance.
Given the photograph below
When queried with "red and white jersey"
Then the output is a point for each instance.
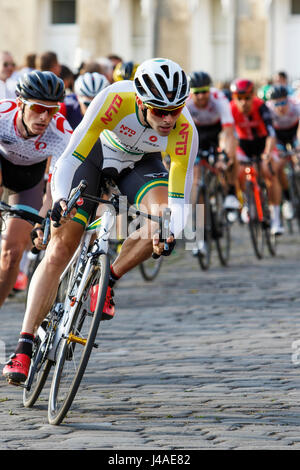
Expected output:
(24, 152)
(217, 110)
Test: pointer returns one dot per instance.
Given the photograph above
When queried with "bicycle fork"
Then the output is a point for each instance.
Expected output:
(251, 178)
(70, 305)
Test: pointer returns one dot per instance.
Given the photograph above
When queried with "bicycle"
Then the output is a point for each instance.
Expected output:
(259, 218)
(211, 192)
(67, 336)
(292, 170)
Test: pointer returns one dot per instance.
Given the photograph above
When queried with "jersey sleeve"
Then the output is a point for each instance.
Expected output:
(224, 108)
(103, 113)
(182, 148)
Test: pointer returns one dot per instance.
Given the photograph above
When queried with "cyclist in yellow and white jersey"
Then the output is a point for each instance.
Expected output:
(136, 121)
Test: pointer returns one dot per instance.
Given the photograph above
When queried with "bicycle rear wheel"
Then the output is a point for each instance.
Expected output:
(75, 348)
(150, 268)
(38, 374)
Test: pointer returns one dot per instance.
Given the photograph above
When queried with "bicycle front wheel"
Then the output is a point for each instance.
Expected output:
(221, 227)
(77, 344)
(150, 268)
(256, 229)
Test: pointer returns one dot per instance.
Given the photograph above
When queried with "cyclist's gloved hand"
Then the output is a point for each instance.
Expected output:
(158, 246)
(57, 210)
(171, 246)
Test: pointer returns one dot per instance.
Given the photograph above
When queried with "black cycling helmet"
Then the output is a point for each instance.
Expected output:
(41, 85)
(278, 91)
(199, 79)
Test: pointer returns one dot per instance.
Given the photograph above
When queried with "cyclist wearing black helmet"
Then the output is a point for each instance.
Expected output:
(31, 131)
(285, 114)
(211, 112)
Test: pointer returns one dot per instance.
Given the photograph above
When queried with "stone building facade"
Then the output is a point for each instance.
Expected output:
(227, 38)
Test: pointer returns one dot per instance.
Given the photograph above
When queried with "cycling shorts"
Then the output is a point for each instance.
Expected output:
(25, 185)
(147, 173)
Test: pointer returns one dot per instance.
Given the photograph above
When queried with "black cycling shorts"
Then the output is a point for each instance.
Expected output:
(133, 182)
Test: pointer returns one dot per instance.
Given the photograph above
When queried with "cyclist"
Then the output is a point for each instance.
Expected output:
(31, 130)
(212, 116)
(136, 120)
(256, 138)
(125, 71)
(86, 87)
(286, 114)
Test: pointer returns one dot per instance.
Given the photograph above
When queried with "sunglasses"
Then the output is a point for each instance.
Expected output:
(163, 112)
(197, 91)
(280, 103)
(7, 64)
(41, 108)
(242, 97)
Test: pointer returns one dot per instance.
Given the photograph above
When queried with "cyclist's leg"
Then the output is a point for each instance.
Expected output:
(63, 242)
(16, 236)
(146, 186)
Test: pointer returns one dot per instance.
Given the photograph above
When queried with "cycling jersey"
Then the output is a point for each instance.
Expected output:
(252, 129)
(210, 120)
(113, 114)
(258, 123)
(286, 125)
(25, 152)
(217, 110)
(70, 108)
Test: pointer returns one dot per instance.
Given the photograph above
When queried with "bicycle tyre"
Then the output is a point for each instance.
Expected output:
(269, 237)
(255, 226)
(221, 227)
(60, 401)
(40, 368)
(150, 268)
(202, 198)
(40, 365)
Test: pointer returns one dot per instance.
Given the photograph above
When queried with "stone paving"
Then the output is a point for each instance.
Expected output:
(193, 360)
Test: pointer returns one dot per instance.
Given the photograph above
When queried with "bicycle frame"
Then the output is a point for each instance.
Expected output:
(251, 176)
(102, 226)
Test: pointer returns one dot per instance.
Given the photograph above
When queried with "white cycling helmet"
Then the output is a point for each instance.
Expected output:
(90, 84)
(161, 83)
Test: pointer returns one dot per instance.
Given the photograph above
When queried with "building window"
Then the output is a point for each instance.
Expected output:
(295, 7)
(63, 12)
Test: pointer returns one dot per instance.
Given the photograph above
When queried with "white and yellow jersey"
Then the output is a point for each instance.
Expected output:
(113, 115)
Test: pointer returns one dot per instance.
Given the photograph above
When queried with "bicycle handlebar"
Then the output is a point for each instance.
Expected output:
(164, 221)
(23, 214)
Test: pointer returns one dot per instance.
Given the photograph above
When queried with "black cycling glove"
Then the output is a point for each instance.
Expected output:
(56, 211)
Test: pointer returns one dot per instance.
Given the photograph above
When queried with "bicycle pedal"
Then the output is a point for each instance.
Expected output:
(16, 384)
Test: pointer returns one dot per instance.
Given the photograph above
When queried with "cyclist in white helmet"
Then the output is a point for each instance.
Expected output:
(136, 121)
(86, 87)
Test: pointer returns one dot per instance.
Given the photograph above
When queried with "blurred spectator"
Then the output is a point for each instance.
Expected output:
(281, 78)
(67, 76)
(28, 66)
(48, 61)
(115, 59)
(7, 68)
(106, 68)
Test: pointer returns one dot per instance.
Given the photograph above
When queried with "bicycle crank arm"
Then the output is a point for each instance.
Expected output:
(76, 339)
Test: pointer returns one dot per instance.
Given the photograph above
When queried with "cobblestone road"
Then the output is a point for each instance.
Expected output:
(193, 360)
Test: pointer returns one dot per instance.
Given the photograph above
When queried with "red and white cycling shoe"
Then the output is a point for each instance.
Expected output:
(17, 368)
(109, 305)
